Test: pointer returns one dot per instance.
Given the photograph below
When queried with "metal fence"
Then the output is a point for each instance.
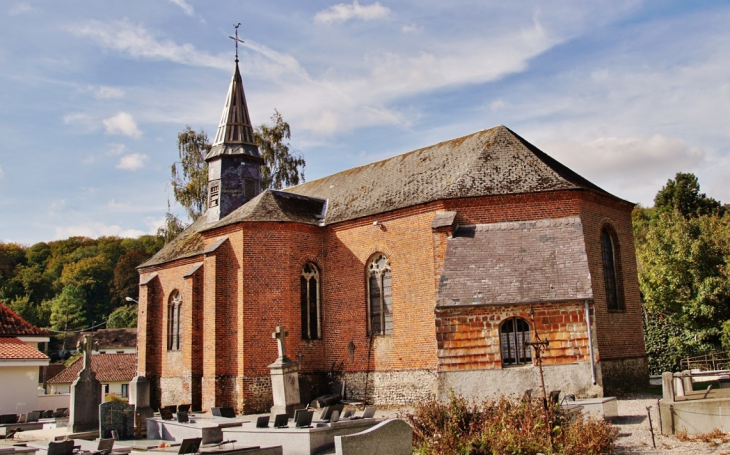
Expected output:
(707, 362)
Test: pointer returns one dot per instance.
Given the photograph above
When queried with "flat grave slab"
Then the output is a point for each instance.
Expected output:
(210, 429)
(599, 408)
(299, 441)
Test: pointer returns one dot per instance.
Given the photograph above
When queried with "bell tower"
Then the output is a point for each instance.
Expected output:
(234, 162)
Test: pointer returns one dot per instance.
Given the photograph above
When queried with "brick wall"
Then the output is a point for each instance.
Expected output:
(250, 284)
(620, 334)
(468, 337)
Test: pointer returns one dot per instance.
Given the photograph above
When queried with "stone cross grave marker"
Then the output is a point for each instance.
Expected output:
(117, 416)
(84, 345)
(280, 335)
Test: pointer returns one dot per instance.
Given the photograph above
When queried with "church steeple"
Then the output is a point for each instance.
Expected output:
(234, 162)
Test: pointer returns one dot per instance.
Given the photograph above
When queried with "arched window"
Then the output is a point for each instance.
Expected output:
(311, 310)
(610, 277)
(380, 296)
(513, 334)
(174, 324)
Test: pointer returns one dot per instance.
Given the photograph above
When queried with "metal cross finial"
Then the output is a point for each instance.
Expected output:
(235, 38)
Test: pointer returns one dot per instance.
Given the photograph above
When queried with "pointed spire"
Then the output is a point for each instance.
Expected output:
(235, 132)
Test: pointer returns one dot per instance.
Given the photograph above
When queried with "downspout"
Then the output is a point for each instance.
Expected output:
(590, 343)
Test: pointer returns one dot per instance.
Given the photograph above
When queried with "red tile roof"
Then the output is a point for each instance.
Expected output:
(12, 325)
(108, 368)
(14, 349)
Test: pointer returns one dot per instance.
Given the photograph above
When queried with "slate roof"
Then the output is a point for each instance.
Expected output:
(235, 132)
(516, 262)
(14, 349)
(108, 368)
(112, 338)
(12, 325)
(496, 161)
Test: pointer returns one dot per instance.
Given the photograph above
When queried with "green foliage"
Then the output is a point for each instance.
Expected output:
(505, 426)
(171, 229)
(682, 194)
(103, 270)
(683, 251)
(68, 362)
(190, 183)
(67, 310)
(282, 167)
(725, 336)
(123, 317)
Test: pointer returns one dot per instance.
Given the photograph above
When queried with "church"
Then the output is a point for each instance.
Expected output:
(406, 278)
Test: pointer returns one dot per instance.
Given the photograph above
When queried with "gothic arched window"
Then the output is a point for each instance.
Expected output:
(174, 324)
(513, 334)
(311, 310)
(610, 275)
(380, 296)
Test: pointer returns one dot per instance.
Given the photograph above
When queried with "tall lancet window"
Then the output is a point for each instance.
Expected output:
(380, 296)
(174, 324)
(311, 308)
(610, 272)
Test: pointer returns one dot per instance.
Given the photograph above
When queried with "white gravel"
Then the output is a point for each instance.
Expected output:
(635, 437)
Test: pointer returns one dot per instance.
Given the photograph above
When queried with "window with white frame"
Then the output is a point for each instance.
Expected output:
(380, 295)
(310, 303)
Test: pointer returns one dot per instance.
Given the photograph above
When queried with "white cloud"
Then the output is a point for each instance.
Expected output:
(94, 230)
(411, 28)
(118, 205)
(108, 93)
(185, 6)
(122, 123)
(139, 42)
(20, 8)
(627, 166)
(132, 162)
(343, 12)
(497, 105)
(2, 173)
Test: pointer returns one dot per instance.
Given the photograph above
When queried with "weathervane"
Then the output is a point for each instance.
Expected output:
(235, 38)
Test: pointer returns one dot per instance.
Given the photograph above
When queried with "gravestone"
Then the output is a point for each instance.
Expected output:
(116, 416)
(85, 394)
(284, 378)
(394, 437)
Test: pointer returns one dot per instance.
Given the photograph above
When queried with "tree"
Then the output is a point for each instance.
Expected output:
(91, 276)
(281, 167)
(683, 275)
(171, 229)
(126, 278)
(123, 317)
(67, 310)
(683, 195)
(190, 185)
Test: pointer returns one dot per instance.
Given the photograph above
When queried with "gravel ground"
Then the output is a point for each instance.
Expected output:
(635, 437)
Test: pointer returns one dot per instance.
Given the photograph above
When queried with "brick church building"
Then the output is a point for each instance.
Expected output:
(410, 277)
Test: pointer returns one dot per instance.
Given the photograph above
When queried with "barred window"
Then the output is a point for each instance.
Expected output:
(174, 324)
(514, 332)
(311, 308)
(608, 255)
(380, 296)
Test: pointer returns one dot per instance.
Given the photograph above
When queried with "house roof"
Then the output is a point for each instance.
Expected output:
(491, 162)
(108, 368)
(12, 325)
(14, 349)
(516, 262)
(112, 338)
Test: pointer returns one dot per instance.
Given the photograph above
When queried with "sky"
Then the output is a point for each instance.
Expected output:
(93, 93)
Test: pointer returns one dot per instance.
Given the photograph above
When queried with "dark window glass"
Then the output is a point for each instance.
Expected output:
(514, 333)
(380, 296)
(609, 270)
(310, 302)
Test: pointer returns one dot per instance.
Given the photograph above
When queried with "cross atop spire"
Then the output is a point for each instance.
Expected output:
(235, 131)
(235, 38)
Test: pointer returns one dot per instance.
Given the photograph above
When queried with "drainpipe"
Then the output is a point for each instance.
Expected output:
(590, 343)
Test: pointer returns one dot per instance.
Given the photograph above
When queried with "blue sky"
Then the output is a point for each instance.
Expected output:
(93, 93)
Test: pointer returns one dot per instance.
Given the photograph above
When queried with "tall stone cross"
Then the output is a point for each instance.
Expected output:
(280, 334)
(85, 345)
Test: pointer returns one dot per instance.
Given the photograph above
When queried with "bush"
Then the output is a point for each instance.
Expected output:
(505, 426)
(115, 397)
